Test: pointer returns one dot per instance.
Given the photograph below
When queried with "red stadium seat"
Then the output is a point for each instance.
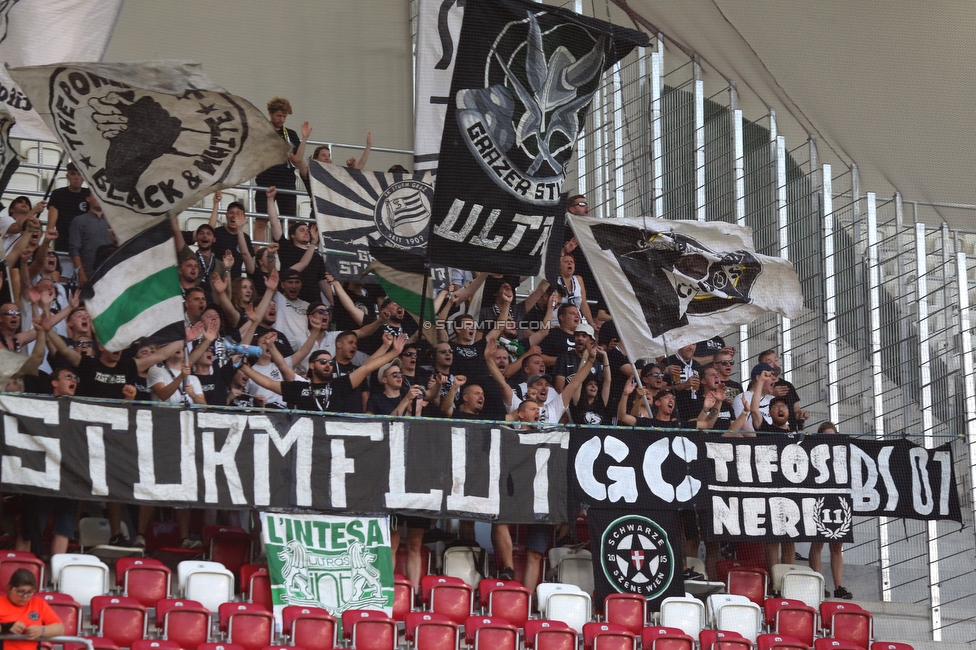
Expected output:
(722, 640)
(854, 626)
(226, 610)
(148, 584)
(403, 596)
(780, 642)
(310, 627)
(123, 564)
(592, 630)
(282, 647)
(217, 646)
(400, 562)
(373, 634)
(10, 561)
(792, 618)
(749, 582)
(486, 585)
(229, 545)
(69, 611)
(186, 622)
(413, 619)
(256, 585)
(436, 635)
(890, 645)
(155, 644)
(772, 605)
(456, 601)
(485, 632)
(629, 610)
(835, 644)
(251, 629)
(829, 608)
(353, 617)
(475, 622)
(427, 583)
(556, 640)
(722, 567)
(122, 622)
(534, 626)
(514, 604)
(98, 643)
(665, 638)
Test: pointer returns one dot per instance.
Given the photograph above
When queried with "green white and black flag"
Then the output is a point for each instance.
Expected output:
(151, 138)
(401, 274)
(336, 563)
(136, 293)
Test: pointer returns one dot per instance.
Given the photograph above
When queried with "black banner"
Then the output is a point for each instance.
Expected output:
(524, 78)
(766, 488)
(637, 553)
(772, 487)
(148, 454)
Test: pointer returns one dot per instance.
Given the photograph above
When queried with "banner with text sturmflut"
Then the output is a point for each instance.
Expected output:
(764, 488)
(524, 78)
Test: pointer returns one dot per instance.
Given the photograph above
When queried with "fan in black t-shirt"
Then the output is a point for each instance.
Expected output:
(663, 404)
(325, 392)
(779, 412)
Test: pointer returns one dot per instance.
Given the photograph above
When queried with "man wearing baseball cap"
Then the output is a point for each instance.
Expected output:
(569, 362)
(394, 398)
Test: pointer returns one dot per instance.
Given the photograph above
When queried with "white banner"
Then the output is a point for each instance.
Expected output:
(38, 32)
(151, 138)
(671, 283)
(438, 31)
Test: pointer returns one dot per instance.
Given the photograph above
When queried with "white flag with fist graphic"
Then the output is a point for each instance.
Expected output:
(150, 138)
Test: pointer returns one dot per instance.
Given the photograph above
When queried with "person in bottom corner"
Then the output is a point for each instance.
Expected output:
(23, 612)
(836, 548)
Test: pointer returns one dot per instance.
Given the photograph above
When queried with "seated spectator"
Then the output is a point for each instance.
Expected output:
(23, 612)
(89, 231)
(395, 398)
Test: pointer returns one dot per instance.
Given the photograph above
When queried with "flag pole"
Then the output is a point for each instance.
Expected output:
(54, 176)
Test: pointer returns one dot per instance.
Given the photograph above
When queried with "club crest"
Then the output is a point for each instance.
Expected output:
(402, 213)
(637, 557)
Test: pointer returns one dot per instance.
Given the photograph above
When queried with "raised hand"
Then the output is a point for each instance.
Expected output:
(272, 192)
(193, 332)
(219, 282)
(210, 334)
(272, 282)
(306, 130)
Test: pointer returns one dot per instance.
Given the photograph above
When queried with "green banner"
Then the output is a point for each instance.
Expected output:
(336, 563)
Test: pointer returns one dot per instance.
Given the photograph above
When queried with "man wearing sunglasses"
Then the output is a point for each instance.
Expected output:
(394, 399)
(725, 365)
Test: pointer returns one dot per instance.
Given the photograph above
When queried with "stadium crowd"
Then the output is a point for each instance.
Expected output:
(268, 326)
